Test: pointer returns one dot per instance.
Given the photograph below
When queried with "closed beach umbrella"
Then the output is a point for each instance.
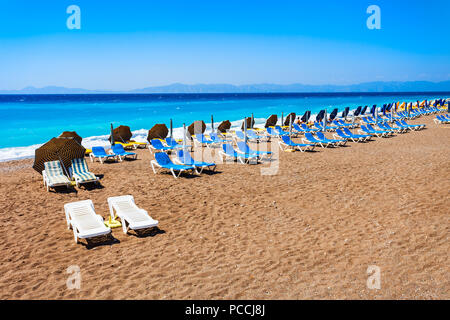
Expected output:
(71, 135)
(197, 127)
(364, 110)
(345, 112)
(122, 134)
(291, 115)
(252, 122)
(64, 150)
(282, 118)
(212, 123)
(271, 121)
(306, 116)
(333, 114)
(248, 123)
(111, 137)
(171, 128)
(224, 126)
(357, 111)
(325, 120)
(158, 131)
(353, 119)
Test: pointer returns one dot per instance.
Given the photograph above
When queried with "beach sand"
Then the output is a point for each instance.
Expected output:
(309, 232)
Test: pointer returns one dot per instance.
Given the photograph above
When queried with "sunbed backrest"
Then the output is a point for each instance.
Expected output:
(162, 158)
(100, 151)
(157, 143)
(118, 148)
(53, 168)
(79, 166)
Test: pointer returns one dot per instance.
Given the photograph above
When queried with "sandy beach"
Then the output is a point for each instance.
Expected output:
(309, 232)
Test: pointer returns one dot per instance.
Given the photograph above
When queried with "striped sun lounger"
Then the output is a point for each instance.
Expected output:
(53, 175)
(80, 172)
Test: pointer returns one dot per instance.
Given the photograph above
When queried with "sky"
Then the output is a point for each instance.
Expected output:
(131, 44)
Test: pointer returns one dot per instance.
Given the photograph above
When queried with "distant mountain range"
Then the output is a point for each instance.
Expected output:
(410, 86)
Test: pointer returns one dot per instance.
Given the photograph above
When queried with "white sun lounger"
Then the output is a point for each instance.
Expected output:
(131, 216)
(81, 217)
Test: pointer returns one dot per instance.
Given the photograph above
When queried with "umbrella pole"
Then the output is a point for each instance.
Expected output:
(212, 124)
(171, 129)
(290, 126)
(112, 135)
(251, 122)
(282, 118)
(245, 130)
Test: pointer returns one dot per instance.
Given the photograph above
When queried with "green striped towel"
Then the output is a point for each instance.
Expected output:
(80, 171)
(55, 174)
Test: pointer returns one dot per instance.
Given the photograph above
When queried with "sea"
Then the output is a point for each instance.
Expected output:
(28, 121)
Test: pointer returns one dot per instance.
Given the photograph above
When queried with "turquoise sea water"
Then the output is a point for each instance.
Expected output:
(29, 120)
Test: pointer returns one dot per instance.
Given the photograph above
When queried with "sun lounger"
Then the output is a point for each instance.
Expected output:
(289, 144)
(229, 152)
(131, 216)
(100, 153)
(362, 137)
(53, 175)
(311, 139)
(244, 148)
(338, 142)
(387, 132)
(201, 140)
(83, 220)
(413, 126)
(118, 151)
(216, 139)
(81, 173)
(157, 145)
(252, 136)
(308, 129)
(441, 119)
(184, 157)
(163, 161)
(377, 133)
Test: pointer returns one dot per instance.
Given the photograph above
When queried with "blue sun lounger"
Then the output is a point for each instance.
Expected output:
(244, 148)
(157, 145)
(363, 137)
(100, 153)
(272, 133)
(387, 132)
(311, 139)
(163, 161)
(338, 142)
(229, 152)
(413, 126)
(378, 133)
(289, 144)
(171, 142)
(308, 129)
(184, 158)
(216, 139)
(203, 141)
(119, 152)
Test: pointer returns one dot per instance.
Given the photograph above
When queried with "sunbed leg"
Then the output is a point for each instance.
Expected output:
(124, 225)
(173, 173)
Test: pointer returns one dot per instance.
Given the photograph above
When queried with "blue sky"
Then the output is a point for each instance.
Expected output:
(133, 44)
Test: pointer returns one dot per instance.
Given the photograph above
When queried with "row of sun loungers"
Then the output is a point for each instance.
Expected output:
(85, 223)
(117, 152)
